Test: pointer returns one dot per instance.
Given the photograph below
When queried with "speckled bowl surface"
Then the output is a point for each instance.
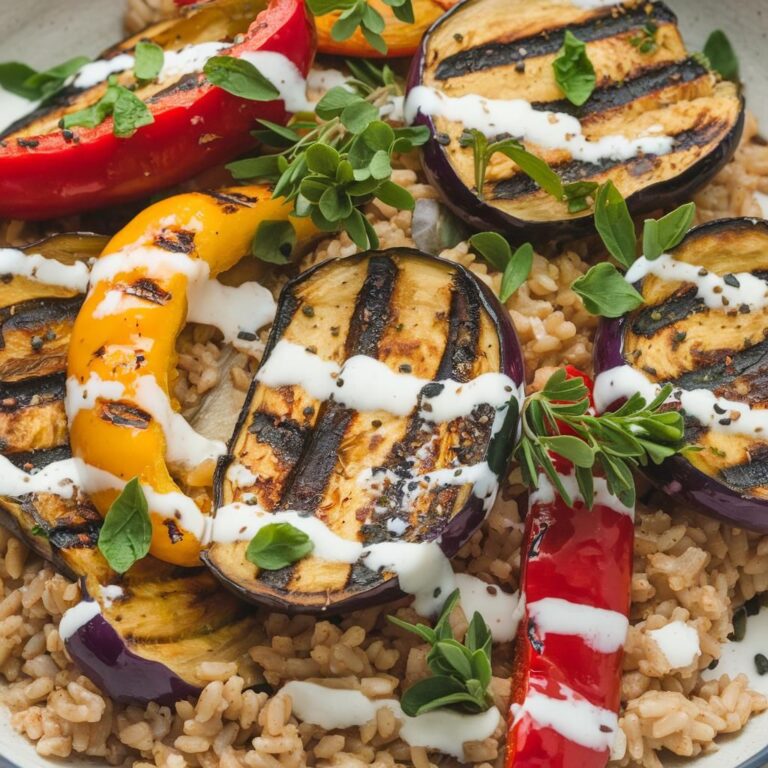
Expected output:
(45, 32)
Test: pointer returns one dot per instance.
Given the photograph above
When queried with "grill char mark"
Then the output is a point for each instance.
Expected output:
(521, 185)
(17, 395)
(750, 475)
(37, 313)
(284, 436)
(371, 316)
(37, 460)
(124, 415)
(457, 362)
(601, 26)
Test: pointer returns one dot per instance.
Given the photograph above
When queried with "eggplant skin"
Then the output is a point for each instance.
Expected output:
(648, 183)
(417, 314)
(725, 352)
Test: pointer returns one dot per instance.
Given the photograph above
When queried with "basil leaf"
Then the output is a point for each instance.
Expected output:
(574, 72)
(28, 83)
(606, 293)
(148, 60)
(721, 55)
(274, 242)
(240, 78)
(662, 235)
(277, 546)
(96, 113)
(126, 533)
(129, 114)
(517, 270)
(493, 248)
(615, 225)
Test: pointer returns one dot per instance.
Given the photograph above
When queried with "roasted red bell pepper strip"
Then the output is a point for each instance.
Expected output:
(196, 125)
(566, 679)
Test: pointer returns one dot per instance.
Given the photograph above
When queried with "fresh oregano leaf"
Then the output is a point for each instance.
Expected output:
(493, 248)
(129, 113)
(126, 533)
(605, 292)
(574, 72)
(274, 242)
(615, 225)
(240, 78)
(277, 546)
(721, 55)
(148, 60)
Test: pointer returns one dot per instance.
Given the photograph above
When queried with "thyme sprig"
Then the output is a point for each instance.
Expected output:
(461, 672)
(330, 166)
(558, 420)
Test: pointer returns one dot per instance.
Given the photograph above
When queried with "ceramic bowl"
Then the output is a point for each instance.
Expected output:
(45, 32)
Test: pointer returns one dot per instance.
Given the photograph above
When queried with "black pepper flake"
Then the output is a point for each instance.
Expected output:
(246, 336)
(50, 335)
(405, 368)
(28, 143)
(761, 663)
(680, 336)
(334, 330)
(739, 625)
(308, 310)
(443, 139)
(339, 382)
(309, 410)
(718, 409)
(37, 343)
(520, 66)
(376, 423)
(67, 135)
(731, 280)
(744, 309)
(703, 272)
(725, 422)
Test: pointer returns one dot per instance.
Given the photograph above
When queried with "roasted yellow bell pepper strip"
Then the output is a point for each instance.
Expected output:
(122, 359)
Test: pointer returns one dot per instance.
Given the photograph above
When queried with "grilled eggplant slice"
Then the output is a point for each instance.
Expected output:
(703, 330)
(640, 95)
(296, 449)
(145, 644)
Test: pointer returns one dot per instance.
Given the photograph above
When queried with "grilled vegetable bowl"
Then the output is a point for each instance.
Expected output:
(702, 330)
(385, 410)
(573, 87)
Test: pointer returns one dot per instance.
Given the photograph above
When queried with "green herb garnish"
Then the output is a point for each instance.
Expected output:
(605, 291)
(240, 78)
(148, 60)
(28, 83)
(661, 235)
(360, 14)
(128, 111)
(721, 56)
(574, 72)
(126, 533)
(645, 41)
(615, 442)
(274, 242)
(461, 672)
(615, 225)
(38, 530)
(329, 169)
(277, 546)
(515, 267)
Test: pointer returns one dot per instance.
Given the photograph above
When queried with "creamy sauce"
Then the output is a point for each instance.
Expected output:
(547, 494)
(422, 568)
(285, 76)
(111, 593)
(59, 478)
(366, 384)
(240, 476)
(603, 631)
(679, 642)
(98, 71)
(154, 263)
(740, 289)
(239, 313)
(517, 117)
(716, 413)
(334, 708)
(572, 716)
(49, 271)
(183, 444)
(77, 617)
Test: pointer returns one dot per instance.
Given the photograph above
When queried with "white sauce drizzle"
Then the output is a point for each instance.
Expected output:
(717, 413)
(98, 71)
(77, 617)
(546, 494)
(334, 708)
(243, 310)
(572, 716)
(366, 384)
(285, 76)
(679, 642)
(184, 445)
(43, 270)
(111, 593)
(422, 568)
(713, 289)
(548, 130)
(602, 630)
(240, 476)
